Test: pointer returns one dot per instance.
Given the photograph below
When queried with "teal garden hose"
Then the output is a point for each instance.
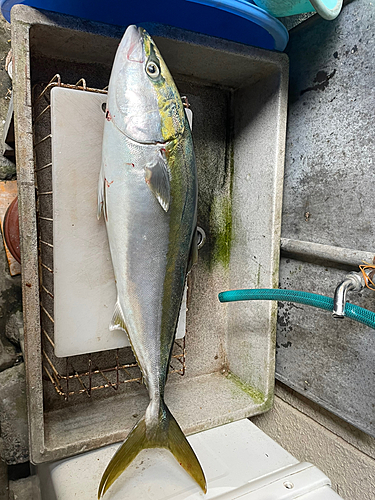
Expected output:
(311, 299)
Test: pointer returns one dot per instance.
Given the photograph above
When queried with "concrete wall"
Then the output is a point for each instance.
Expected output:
(310, 343)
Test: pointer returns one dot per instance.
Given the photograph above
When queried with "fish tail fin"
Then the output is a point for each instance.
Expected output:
(134, 443)
(160, 432)
(180, 448)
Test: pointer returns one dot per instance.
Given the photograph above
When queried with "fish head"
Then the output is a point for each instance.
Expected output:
(143, 100)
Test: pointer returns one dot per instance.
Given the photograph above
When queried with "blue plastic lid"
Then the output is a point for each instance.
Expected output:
(236, 20)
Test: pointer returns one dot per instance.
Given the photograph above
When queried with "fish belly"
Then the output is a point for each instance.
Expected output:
(138, 233)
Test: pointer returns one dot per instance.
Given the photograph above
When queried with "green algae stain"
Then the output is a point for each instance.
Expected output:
(221, 226)
(216, 173)
(257, 396)
(221, 216)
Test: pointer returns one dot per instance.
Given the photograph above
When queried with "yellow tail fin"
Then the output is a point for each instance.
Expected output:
(164, 433)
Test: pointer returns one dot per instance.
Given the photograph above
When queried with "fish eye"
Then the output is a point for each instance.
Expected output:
(152, 69)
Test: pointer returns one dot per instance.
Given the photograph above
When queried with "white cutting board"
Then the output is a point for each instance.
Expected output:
(84, 286)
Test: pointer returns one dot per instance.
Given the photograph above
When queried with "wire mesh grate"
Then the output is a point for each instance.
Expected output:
(82, 374)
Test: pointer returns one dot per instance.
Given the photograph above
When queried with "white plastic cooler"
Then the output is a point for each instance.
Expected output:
(239, 460)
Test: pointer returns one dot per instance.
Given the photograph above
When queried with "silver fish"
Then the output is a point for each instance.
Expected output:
(148, 194)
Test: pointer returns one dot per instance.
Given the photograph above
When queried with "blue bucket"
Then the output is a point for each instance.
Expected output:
(236, 20)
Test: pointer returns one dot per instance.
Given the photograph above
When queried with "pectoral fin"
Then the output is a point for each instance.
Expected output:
(157, 179)
(189, 116)
(118, 320)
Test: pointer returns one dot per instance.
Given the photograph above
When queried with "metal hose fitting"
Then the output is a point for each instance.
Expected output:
(353, 281)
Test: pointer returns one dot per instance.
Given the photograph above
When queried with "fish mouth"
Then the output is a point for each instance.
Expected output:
(133, 41)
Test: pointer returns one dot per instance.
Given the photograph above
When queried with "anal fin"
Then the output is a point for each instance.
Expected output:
(102, 196)
(118, 320)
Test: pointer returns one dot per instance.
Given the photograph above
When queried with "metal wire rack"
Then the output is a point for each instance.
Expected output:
(86, 373)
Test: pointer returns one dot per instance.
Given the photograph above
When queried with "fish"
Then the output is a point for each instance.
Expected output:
(148, 195)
